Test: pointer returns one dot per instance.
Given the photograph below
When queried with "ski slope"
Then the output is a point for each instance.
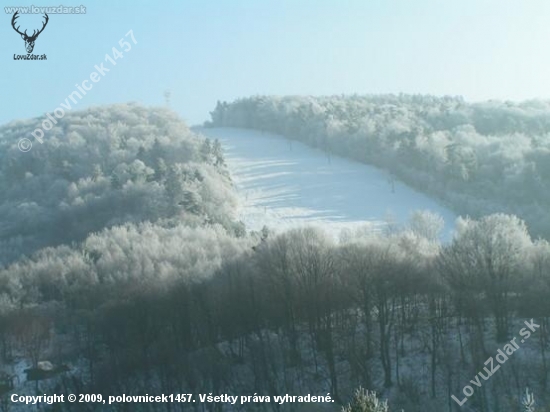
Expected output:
(284, 184)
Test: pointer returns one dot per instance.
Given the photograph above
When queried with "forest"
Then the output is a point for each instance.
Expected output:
(123, 268)
(476, 158)
(105, 167)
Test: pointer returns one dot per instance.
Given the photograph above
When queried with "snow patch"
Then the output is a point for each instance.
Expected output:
(285, 184)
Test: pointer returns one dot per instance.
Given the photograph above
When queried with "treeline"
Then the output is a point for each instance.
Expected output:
(145, 309)
(103, 167)
(478, 158)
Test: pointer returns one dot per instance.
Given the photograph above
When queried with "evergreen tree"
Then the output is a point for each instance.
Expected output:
(365, 401)
(217, 152)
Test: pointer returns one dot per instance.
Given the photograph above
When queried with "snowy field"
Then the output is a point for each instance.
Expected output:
(284, 184)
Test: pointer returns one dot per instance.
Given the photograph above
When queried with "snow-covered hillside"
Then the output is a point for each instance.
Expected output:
(284, 183)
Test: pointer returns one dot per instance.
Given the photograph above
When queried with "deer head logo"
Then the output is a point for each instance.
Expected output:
(29, 40)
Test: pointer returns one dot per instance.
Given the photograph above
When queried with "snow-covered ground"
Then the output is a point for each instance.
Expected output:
(284, 184)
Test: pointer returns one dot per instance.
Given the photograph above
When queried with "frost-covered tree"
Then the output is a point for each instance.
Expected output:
(487, 258)
(365, 401)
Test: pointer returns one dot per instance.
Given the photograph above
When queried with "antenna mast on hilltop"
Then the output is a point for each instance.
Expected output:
(167, 95)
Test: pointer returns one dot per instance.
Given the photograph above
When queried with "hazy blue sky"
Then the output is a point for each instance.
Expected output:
(205, 50)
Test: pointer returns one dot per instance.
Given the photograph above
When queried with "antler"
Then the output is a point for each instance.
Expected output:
(15, 16)
(35, 35)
